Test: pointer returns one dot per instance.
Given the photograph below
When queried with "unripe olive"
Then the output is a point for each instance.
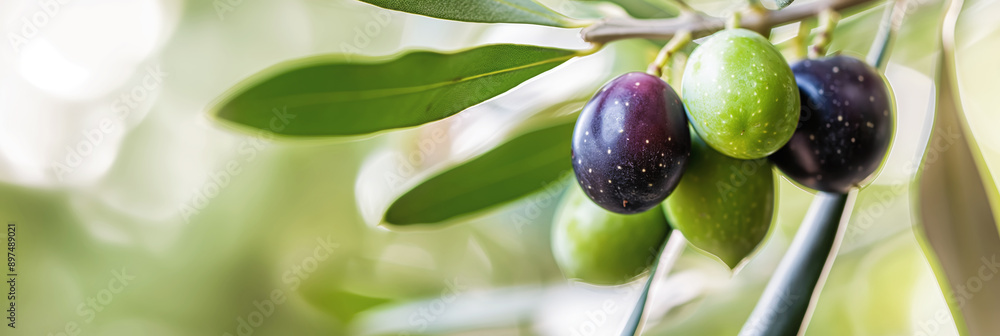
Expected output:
(596, 246)
(723, 206)
(740, 94)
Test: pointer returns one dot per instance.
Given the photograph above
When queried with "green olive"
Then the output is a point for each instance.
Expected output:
(740, 94)
(600, 247)
(723, 206)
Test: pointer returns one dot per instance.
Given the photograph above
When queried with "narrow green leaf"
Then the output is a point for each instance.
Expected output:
(330, 96)
(506, 173)
(669, 253)
(486, 11)
(958, 228)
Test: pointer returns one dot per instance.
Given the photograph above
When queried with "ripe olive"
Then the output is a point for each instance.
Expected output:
(631, 143)
(845, 128)
(596, 246)
(740, 94)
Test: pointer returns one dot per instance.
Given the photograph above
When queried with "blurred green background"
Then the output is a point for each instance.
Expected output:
(222, 232)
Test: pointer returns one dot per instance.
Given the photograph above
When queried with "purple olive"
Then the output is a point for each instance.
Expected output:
(631, 143)
(845, 126)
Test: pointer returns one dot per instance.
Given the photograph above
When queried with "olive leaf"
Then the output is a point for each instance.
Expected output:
(331, 96)
(486, 11)
(508, 162)
(957, 227)
(514, 169)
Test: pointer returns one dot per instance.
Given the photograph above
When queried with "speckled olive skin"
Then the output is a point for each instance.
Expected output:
(631, 143)
(596, 246)
(845, 128)
(740, 94)
(723, 206)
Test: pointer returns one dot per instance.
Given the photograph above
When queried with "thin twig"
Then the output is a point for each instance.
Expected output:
(699, 25)
(878, 55)
(734, 20)
(669, 252)
(828, 22)
(799, 42)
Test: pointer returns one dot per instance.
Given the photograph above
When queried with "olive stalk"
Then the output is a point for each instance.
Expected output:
(676, 44)
(734, 20)
(828, 22)
(799, 41)
(788, 300)
(699, 24)
(669, 252)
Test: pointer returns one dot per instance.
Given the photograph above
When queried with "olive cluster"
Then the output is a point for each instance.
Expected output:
(825, 123)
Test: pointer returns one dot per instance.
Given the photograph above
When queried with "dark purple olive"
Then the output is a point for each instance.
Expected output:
(631, 143)
(845, 126)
